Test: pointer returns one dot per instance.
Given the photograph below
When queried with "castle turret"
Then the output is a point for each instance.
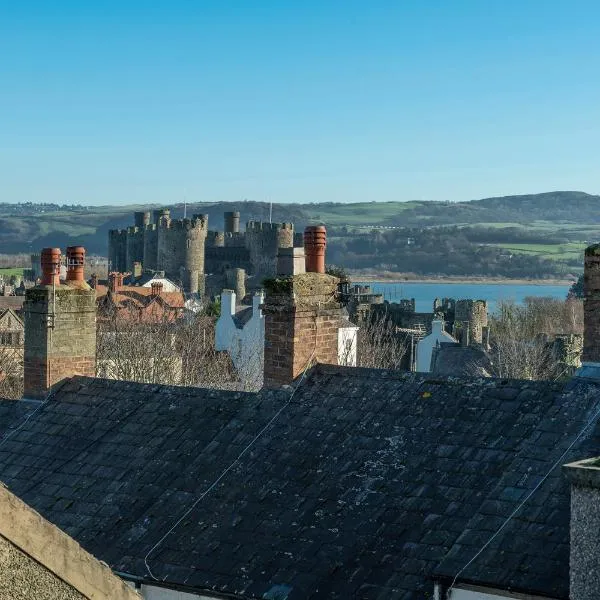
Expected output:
(263, 241)
(141, 219)
(232, 222)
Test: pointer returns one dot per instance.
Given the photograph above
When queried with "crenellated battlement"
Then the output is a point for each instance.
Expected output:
(200, 222)
(180, 247)
(259, 226)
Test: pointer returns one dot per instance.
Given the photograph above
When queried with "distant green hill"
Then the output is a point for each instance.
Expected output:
(575, 215)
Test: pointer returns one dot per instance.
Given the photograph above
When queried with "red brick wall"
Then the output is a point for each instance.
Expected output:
(291, 338)
(591, 304)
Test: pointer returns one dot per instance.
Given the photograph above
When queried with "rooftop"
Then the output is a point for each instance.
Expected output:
(366, 484)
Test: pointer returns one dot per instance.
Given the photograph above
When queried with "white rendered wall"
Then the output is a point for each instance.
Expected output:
(427, 344)
(168, 285)
(244, 346)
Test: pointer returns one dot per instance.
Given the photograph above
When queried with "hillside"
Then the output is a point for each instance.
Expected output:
(552, 227)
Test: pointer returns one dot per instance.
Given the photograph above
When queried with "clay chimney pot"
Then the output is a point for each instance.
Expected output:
(75, 263)
(315, 241)
(50, 260)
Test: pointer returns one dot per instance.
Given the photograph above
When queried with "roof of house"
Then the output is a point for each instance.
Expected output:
(140, 298)
(366, 484)
(241, 317)
(12, 302)
(452, 359)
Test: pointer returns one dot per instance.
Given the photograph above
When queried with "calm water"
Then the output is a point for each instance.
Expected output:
(425, 293)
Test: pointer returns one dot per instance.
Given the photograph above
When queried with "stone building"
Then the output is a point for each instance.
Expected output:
(191, 254)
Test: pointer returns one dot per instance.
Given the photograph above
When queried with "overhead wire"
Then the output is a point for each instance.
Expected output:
(232, 465)
(556, 463)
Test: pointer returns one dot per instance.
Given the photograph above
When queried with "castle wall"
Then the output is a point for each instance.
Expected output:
(475, 313)
(149, 260)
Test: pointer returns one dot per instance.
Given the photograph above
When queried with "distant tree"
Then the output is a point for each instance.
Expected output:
(519, 336)
(379, 346)
(167, 352)
(576, 290)
(337, 271)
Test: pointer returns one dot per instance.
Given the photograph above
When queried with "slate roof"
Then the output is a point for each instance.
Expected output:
(242, 317)
(455, 360)
(367, 484)
(13, 302)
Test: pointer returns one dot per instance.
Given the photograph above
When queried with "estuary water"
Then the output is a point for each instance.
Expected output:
(425, 293)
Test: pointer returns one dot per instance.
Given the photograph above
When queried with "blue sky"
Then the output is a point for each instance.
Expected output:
(326, 100)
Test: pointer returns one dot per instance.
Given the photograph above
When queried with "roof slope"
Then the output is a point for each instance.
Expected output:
(366, 481)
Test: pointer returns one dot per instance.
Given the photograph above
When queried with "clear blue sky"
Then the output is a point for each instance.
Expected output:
(121, 101)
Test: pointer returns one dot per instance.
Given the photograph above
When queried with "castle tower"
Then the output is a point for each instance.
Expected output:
(193, 262)
(263, 241)
(141, 219)
(232, 222)
(60, 325)
(472, 315)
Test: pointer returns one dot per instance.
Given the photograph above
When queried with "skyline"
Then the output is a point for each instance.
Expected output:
(156, 103)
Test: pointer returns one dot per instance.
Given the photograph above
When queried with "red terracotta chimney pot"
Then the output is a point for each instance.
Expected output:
(50, 260)
(75, 263)
(315, 241)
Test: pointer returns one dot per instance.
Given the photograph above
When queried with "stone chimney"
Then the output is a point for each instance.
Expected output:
(315, 240)
(584, 561)
(156, 288)
(60, 325)
(290, 261)
(94, 281)
(591, 306)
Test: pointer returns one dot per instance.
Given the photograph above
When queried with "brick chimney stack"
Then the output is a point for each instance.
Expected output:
(591, 305)
(94, 281)
(156, 288)
(315, 240)
(302, 320)
(115, 281)
(60, 325)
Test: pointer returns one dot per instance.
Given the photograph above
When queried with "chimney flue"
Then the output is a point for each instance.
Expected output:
(156, 288)
(75, 263)
(50, 260)
(315, 240)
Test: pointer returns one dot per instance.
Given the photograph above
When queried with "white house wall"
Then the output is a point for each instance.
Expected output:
(244, 346)
(427, 344)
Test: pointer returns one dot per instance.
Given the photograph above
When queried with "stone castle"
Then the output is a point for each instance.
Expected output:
(194, 257)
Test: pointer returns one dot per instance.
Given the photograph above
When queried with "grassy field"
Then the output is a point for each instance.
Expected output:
(9, 272)
(561, 252)
(360, 213)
